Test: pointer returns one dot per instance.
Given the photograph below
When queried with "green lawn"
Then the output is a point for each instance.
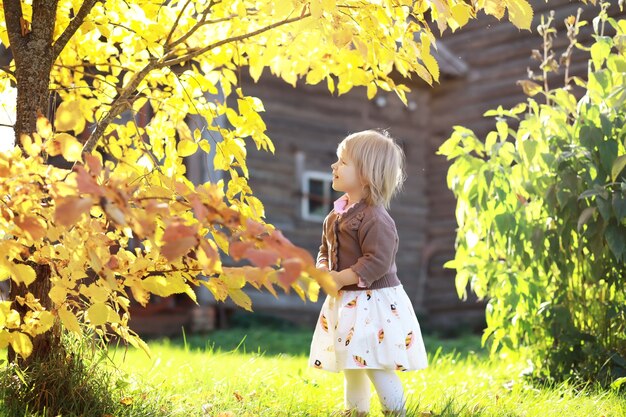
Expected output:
(206, 376)
(218, 375)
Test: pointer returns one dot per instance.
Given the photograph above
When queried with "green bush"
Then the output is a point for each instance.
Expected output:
(541, 209)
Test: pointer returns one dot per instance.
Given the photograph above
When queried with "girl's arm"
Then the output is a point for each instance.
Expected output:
(322, 254)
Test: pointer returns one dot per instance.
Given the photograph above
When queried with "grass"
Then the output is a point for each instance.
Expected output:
(262, 371)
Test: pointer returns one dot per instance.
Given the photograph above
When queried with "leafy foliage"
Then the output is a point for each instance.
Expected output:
(125, 220)
(542, 219)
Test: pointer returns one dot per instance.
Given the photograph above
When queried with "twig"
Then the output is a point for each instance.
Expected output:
(175, 25)
(72, 27)
(196, 52)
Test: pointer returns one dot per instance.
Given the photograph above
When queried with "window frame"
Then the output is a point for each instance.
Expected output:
(327, 179)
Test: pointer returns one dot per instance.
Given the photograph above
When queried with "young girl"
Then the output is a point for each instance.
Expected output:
(369, 331)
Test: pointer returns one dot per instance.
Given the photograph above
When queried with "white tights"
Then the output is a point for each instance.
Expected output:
(388, 387)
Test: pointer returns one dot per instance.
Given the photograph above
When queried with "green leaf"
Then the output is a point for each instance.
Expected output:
(590, 136)
(616, 239)
(599, 82)
(616, 385)
(605, 208)
(600, 51)
(619, 206)
(585, 216)
(618, 166)
(608, 155)
(530, 149)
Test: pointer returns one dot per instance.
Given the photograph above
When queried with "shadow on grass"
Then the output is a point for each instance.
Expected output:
(256, 333)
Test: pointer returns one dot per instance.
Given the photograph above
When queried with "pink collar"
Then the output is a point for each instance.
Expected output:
(341, 204)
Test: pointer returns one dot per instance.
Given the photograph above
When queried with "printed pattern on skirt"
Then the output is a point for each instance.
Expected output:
(368, 329)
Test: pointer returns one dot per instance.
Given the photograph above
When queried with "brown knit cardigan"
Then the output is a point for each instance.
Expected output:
(365, 239)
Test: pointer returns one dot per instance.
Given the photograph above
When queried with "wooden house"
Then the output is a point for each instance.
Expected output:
(480, 66)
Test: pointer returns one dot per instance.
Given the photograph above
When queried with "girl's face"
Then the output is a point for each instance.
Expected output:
(345, 176)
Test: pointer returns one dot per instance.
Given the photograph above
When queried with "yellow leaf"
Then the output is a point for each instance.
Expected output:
(71, 148)
(217, 287)
(5, 308)
(186, 148)
(325, 280)
(240, 298)
(495, 8)
(44, 128)
(331, 84)
(21, 344)
(58, 294)
(31, 144)
(371, 90)
(530, 88)
(96, 293)
(205, 145)
(184, 133)
(12, 319)
(127, 401)
(40, 322)
(138, 343)
(98, 314)
(5, 337)
(164, 287)
(520, 13)
(23, 274)
(461, 13)
(69, 117)
(221, 240)
(69, 320)
(316, 9)
(427, 58)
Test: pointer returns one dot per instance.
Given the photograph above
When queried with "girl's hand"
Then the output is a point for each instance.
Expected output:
(345, 277)
(336, 278)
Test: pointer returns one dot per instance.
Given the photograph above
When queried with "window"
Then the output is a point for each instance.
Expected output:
(318, 195)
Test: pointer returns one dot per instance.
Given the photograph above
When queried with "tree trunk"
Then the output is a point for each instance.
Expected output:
(48, 342)
(31, 46)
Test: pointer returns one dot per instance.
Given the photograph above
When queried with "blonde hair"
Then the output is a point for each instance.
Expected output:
(379, 162)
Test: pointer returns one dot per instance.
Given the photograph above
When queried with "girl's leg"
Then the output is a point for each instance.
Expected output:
(389, 389)
(357, 391)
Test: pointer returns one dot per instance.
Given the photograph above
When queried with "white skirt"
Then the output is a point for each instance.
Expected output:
(368, 329)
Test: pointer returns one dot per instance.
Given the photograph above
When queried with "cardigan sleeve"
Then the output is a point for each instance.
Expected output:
(322, 254)
(378, 239)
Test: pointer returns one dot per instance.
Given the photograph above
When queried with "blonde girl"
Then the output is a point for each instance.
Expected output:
(369, 331)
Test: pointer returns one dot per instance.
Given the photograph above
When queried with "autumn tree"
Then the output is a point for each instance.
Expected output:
(121, 220)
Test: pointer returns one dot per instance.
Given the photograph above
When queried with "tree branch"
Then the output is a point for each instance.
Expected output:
(13, 18)
(123, 101)
(196, 52)
(44, 18)
(118, 106)
(8, 71)
(73, 26)
(175, 25)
